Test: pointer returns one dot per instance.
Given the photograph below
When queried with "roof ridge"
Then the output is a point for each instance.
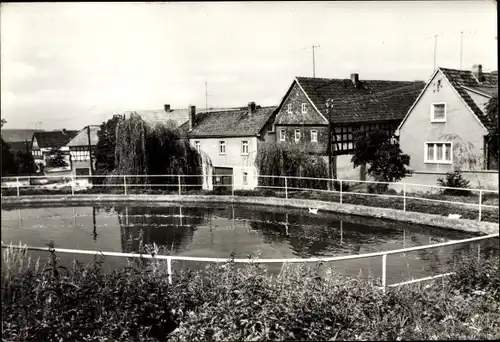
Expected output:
(361, 80)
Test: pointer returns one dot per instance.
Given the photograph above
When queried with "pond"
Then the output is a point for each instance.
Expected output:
(217, 230)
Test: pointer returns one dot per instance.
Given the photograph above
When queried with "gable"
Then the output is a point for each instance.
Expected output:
(34, 145)
(296, 97)
(460, 119)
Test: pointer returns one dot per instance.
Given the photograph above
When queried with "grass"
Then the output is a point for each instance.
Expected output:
(226, 302)
(415, 205)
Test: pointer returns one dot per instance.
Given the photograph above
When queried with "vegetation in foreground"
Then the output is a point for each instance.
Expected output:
(226, 302)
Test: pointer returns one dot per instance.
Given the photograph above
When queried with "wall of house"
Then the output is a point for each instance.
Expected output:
(305, 142)
(232, 158)
(296, 97)
(480, 100)
(418, 128)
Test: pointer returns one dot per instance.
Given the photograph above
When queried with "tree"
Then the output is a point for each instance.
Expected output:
(3, 122)
(24, 161)
(56, 158)
(493, 148)
(7, 159)
(104, 152)
(386, 161)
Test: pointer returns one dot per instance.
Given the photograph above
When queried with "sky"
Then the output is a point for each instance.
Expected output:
(67, 65)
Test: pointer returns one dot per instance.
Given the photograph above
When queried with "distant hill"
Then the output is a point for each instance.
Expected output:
(15, 135)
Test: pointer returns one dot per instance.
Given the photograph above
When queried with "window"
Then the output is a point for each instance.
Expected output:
(438, 152)
(245, 178)
(244, 147)
(222, 147)
(289, 109)
(438, 112)
(270, 128)
(82, 171)
(79, 153)
(297, 135)
(197, 146)
(304, 109)
(282, 135)
(314, 136)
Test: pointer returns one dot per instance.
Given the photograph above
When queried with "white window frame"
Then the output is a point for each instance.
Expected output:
(245, 178)
(289, 108)
(295, 135)
(432, 111)
(314, 135)
(434, 160)
(243, 144)
(222, 147)
(197, 145)
(282, 135)
(303, 108)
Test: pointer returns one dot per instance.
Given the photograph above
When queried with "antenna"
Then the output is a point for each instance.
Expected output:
(314, 63)
(435, 47)
(206, 94)
(461, 44)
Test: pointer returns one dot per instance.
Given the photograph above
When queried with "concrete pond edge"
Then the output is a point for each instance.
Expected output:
(465, 225)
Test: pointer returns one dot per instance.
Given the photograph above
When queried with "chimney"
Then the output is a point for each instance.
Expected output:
(477, 71)
(355, 79)
(167, 108)
(251, 108)
(192, 116)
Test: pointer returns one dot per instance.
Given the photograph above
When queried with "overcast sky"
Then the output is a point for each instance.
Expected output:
(72, 64)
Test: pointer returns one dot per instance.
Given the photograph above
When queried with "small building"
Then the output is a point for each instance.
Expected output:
(231, 139)
(303, 116)
(447, 127)
(43, 143)
(80, 147)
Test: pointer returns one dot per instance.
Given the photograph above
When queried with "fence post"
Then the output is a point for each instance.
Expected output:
(179, 182)
(286, 188)
(480, 202)
(384, 271)
(72, 185)
(404, 197)
(169, 270)
(232, 184)
(340, 190)
(17, 186)
(125, 184)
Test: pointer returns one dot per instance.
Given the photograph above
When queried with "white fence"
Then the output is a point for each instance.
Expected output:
(285, 184)
(170, 258)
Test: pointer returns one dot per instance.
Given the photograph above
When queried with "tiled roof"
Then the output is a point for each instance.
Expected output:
(13, 134)
(82, 138)
(486, 91)
(229, 123)
(18, 145)
(154, 117)
(372, 100)
(463, 78)
(54, 139)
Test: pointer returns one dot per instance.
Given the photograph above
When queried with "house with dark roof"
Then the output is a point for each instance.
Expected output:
(303, 115)
(448, 125)
(231, 139)
(80, 147)
(43, 143)
(18, 139)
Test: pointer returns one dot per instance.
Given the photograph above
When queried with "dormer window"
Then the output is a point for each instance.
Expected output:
(438, 112)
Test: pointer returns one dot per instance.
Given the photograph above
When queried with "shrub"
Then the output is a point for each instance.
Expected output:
(454, 180)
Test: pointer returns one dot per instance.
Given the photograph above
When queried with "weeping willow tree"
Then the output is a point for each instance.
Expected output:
(143, 149)
(290, 160)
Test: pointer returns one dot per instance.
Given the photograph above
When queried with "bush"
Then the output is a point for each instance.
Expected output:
(454, 180)
(230, 302)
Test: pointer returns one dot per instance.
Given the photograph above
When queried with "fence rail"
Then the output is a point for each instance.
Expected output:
(170, 258)
(181, 184)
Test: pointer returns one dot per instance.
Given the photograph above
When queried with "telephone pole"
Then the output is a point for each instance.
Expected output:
(314, 62)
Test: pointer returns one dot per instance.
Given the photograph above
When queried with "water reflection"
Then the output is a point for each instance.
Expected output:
(216, 230)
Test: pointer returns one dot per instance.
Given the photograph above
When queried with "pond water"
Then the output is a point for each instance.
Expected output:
(217, 230)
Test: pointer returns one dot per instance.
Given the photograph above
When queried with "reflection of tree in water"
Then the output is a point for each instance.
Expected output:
(317, 236)
(172, 227)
